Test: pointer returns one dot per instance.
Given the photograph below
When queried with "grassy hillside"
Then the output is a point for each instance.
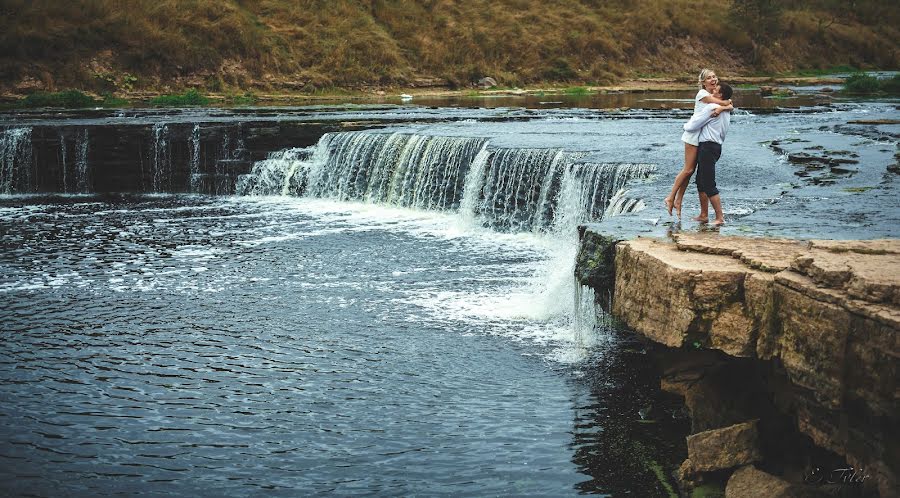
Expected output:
(121, 45)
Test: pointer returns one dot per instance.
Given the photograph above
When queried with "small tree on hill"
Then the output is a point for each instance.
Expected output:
(760, 19)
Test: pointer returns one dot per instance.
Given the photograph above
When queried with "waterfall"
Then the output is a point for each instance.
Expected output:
(15, 161)
(423, 172)
(195, 159)
(284, 172)
(620, 204)
(82, 171)
(63, 160)
(507, 189)
(161, 162)
(584, 315)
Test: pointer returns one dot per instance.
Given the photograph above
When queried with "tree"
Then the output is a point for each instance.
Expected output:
(761, 19)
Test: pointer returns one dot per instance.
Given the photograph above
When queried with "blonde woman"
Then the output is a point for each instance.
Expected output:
(707, 82)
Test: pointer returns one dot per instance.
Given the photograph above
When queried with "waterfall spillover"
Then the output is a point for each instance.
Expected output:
(82, 172)
(63, 162)
(195, 159)
(161, 162)
(506, 189)
(15, 161)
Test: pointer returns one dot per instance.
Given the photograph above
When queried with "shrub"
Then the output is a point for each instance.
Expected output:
(68, 98)
(190, 97)
(891, 86)
(861, 83)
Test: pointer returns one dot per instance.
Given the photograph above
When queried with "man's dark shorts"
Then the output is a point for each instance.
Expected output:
(707, 155)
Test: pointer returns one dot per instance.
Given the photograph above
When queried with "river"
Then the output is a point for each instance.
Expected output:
(389, 311)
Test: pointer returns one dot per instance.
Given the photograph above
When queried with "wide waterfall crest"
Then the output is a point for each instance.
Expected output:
(507, 189)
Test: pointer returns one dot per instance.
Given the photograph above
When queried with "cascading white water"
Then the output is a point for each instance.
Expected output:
(161, 161)
(63, 162)
(82, 170)
(584, 315)
(417, 171)
(511, 190)
(195, 159)
(15, 161)
(284, 172)
(546, 192)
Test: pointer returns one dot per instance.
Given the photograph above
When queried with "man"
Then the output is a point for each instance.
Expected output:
(713, 127)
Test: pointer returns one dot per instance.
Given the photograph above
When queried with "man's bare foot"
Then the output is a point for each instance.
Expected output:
(669, 205)
(718, 221)
(701, 219)
(678, 210)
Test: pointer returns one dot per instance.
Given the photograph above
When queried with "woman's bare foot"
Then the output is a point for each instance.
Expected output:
(669, 205)
(701, 219)
(718, 221)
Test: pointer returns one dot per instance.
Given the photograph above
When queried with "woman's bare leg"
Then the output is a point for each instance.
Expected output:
(681, 181)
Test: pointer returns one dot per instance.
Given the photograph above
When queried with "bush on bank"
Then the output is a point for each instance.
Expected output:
(866, 84)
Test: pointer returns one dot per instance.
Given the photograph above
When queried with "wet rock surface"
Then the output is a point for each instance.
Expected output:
(822, 315)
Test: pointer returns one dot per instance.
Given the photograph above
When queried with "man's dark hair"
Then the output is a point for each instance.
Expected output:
(726, 90)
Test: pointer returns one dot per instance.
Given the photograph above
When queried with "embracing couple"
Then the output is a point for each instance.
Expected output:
(703, 137)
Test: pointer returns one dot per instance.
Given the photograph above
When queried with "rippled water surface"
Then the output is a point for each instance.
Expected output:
(199, 345)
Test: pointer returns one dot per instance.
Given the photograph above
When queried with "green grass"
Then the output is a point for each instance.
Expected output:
(576, 90)
(72, 99)
(110, 101)
(248, 98)
(188, 98)
(857, 190)
(820, 72)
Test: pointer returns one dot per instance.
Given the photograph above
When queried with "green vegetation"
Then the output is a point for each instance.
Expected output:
(576, 90)
(224, 45)
(708, 491)
(69, 98)
(841, 69)
(110, 101)
(190, 97)
(861, 83)
(248, 98)
(865, 84)
(857, 190)
(657, 470)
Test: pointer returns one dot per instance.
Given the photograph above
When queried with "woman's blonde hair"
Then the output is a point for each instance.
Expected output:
(703, 74)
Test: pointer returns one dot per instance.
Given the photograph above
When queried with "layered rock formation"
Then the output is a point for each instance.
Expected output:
(822, 315)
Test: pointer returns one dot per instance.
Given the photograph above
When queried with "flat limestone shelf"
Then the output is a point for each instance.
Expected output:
(824, 314)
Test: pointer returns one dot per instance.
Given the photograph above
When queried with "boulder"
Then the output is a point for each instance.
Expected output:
(487, 82)
(749, 482)
(724, 448)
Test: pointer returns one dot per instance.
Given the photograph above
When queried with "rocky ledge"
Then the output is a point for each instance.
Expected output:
(812, 325)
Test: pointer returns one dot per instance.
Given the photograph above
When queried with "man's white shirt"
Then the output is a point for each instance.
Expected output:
(712, 128)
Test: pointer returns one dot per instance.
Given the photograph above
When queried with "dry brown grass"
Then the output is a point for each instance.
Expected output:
(325, 43)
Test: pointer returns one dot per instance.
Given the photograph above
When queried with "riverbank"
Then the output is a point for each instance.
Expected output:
(785, 351)
(427, 90)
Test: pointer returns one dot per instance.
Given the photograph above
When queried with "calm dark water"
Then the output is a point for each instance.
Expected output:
(238, 346)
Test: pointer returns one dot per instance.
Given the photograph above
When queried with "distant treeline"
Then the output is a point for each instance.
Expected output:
(122, 45)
